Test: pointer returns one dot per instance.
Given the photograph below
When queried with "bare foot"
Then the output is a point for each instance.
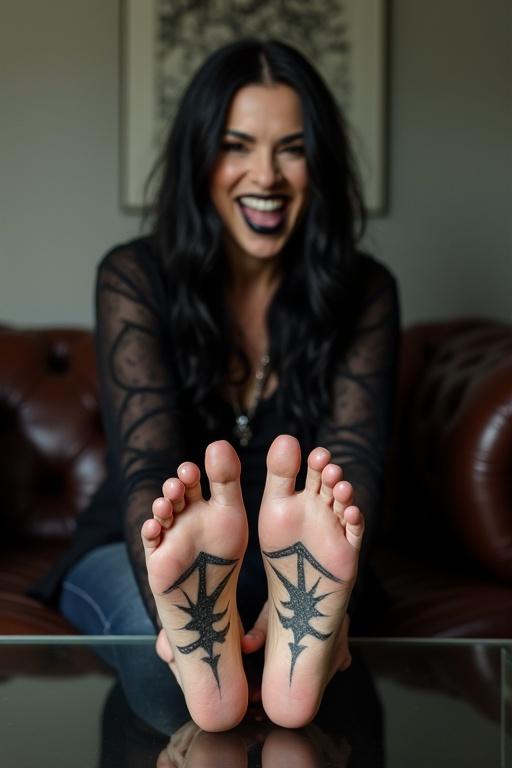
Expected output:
(219, 750)
(307, 748)
(194, 550)
(310, 543)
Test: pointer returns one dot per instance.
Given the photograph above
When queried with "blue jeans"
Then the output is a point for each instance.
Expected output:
(100, 597)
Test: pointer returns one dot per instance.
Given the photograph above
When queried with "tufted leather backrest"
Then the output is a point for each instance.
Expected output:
(453, 458)
(51, 439)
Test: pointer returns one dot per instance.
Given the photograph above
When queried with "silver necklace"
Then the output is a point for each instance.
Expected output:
(242, 429)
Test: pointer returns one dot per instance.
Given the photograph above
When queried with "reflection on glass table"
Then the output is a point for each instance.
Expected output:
(401, 703)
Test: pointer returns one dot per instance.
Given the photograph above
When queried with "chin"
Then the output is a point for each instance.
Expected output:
(265, 253)
(258, 246)
(265, 246)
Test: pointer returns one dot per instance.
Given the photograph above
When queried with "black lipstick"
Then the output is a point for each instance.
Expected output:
(259, 228)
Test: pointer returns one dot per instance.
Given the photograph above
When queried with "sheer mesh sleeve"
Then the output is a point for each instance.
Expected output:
(358, 432)
(138, 390)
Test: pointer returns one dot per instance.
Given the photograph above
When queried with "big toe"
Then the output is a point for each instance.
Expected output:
(223, 469)
(283, 464)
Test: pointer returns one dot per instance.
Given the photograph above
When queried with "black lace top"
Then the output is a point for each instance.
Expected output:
(151, 427)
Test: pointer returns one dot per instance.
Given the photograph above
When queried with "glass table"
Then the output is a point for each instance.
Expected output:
(401, 703)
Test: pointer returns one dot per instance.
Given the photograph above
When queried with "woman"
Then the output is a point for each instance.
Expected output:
(247, 322)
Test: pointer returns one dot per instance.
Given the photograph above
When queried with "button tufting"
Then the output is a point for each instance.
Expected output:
(58, 360)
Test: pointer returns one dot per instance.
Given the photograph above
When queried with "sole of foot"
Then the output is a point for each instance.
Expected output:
(310, 544)
(194, 550)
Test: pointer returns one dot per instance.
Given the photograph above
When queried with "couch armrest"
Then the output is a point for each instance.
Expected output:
(51, 435)
(457, 440)
(478, 470)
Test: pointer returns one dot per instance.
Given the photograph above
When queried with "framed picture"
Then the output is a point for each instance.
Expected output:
(164, 42)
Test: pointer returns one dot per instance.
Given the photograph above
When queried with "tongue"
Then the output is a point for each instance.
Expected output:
(263, 218)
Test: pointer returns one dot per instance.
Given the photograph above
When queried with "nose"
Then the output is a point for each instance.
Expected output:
(265, 170)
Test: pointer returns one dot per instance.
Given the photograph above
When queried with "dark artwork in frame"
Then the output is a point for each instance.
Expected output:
(164, 42)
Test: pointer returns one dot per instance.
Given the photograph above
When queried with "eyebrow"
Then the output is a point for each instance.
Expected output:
(288, 139)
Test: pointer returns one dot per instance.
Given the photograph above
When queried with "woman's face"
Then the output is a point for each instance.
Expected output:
(259, 185)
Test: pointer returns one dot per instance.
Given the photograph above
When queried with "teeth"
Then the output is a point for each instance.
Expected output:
(260, 204)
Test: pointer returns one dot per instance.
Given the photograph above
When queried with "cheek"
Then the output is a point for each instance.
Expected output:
(298, 178)
(224, 177)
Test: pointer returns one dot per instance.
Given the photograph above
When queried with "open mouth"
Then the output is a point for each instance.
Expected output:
(264, 215)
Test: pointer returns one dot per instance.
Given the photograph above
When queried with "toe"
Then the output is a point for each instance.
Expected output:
(223, 470)
(163, 512)
(343, 497)
(331, 475)
(354, 526)
(317, 461)
(174, 490)
(190, 476)
(151, 534)
(283, 464)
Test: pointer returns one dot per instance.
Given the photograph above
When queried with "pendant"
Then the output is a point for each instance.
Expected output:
(242, 430)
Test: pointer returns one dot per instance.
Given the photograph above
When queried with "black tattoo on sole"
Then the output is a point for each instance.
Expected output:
(202, 616)
(302, 602)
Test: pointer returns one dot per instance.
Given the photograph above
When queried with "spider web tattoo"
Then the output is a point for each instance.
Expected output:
(202, 612)
(302, 602)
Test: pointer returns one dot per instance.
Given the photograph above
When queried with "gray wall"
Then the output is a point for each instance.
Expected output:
(59, 163)
(447, 234)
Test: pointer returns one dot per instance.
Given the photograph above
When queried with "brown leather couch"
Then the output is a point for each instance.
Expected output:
(444, 556)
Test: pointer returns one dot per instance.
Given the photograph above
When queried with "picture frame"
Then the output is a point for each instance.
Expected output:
(162, 46)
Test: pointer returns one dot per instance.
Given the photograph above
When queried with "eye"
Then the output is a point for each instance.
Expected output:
(295, 149)
(232, 146)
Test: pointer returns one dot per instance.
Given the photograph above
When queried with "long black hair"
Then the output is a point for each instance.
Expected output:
(310, 314)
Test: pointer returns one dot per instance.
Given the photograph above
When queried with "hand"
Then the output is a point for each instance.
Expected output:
(255, 639)
(343, 658)
(175, 754)
(164, 650)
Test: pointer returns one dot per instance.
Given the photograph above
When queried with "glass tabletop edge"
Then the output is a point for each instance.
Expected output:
(148, 639)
